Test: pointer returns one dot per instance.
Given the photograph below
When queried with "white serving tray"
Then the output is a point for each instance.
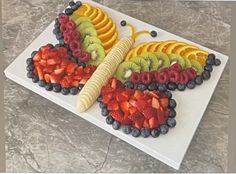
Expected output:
(191, 104)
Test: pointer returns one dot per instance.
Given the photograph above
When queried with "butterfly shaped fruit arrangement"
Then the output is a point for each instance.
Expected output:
(131, 84)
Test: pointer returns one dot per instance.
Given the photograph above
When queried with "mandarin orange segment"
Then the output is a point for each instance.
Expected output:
(147, 47)
(154, 47)
(138, 49)
(173, 46)
(162, 47)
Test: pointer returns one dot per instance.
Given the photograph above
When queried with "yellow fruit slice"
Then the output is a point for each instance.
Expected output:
(105, 28)
(102, 23)
(162, 47)
(138, 49)
(182, 49)
(174, 46)
(129, 55)
(105, 36)
(198, 55)
(93, 14)
(108, 44)
(99, 17)
(147, 47)
(84, 10)
(154, 47)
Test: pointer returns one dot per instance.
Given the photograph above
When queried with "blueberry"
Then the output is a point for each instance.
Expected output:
(56, 87)
(50, 45)
(211, 57)
(135, 132)
(33, 53)
(164, 129)
(61, 41)
(172, 113)
(152, 86)
(153, 33)
(74, 60)
(42, 83)
(30, 74)
(162, 87)
(74, 90)
(68, 11)
(78, 3)
(61, 14)
(48, 87)
(171, 86)
(83, 64)
(208, 68)
(155, 132)
(172, 103)
(57, 45)
(181, 87)
(99, 99)
(30, 67)
(217, 62)
(35, 79)
(80, 87)
(65, 91)
(209, 61)
(74, 7)
(105, 112)
(191, 84)
(126, 129)
(102, 105)
(116, 125)
(168, 94)
(56, 31)
(129, 84)
(141, 87)
(29, 61)
(59, 36)
(123, 23)
(57, 24)
(199, 80)
(109, 120)
(145, 132)
(171, 122)
(71, 3)
(206, 75)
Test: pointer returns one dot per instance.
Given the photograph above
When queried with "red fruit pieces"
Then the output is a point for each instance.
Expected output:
(146, 78)
(164, 102)
(113, 105)
(63, 19)
(155, 103)
(141, 105)
(191, 73)
(153, 122)
(117, 115)
(85, 57)
(183, 77)
(107, 98)
(138, 123)
(176, 67)
(173, 76)
(135, 77)
(135, 116)
(138, 95)
(161, 116)
(70, 25)
(71, 68)
(125, 106)
(149, 112)
(161, 77)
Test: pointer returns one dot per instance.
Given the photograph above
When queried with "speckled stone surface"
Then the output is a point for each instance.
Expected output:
(43, 137)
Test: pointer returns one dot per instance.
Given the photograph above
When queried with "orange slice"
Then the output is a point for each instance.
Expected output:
(105, 28)
(162, 47)
(182, 49)
(138, 49)
(198, 55)
(99, 17)
(84, 10)
(129, 55)
(173, 47)
(108, 44)
(147, 47)
(154, 47)
(93, 14)
(102, 23)
(105, 36)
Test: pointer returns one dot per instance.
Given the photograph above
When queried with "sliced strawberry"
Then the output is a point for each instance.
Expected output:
(64, 63)
(51, 62)
(47, 78)
(75, 83)
(161, 116)
(155, 103)
(88, 69)
(113, 105)
(48, 69)
(153, 122)
(59, 71)
(40, 72)
(106, 89)
(71, 68)
(37, 56)
(164, 102)
(127, 93)
(139, 123)
(45, 48)
(139, 95)
(135, 116)
(83, 81)
(80, 71)
(153, 94)
(62, 50)
(132, 110)
(141, 105)
(54, 78)
(64, 83)
(121, 98)
(132, 102)
(126, 119)
(43, 62)
(117, 115)
(124, 106)
(106, 98)
(114, 83)
(146, 124)
(149, 112)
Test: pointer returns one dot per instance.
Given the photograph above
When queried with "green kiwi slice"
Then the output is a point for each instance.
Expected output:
(82, 19)
(88, 40)
(97, 54)
(90, 31)
(151, 59)
(197, 66)
(163, 60)
(140, 62)
(175, 58)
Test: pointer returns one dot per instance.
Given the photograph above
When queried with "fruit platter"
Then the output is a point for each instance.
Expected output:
(138, 82)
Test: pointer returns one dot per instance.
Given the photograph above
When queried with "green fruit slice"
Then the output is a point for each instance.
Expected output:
(187, 63)
(74, 17)
(175, 58)
(151, 59)
(90, 31)
(84, 25)
(163, 60)
(197, 66)
(125, 70)
(140, 62)
(88, 40)
(97, 54)
(82, 19)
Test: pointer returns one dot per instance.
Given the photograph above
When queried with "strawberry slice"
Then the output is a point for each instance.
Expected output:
(47, 78)
(138, 123)
(164, 102)
(141, 105)
(155, 103)
(52, 61)
(153, 122)
(132, 110)
(117, 115)
(153, 94)
(149, 112)
(136, 116)
(124, 106)
(71, 68)
(146, 124)
(113, 105)
(59, 71)
(106, 98)
(54, 78)
(161, 116)
(37, 56)
(121, 98)
(106, 89)
(139, 95)
(40, 72)
(75, 83)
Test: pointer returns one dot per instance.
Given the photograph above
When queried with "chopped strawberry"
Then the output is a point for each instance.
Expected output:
(45, 48)
(149, 112)
(124, 106)
(139, 123)
(106, 89)
(75, 83)
(164, 102)
(64, 83)
(83, 81)
(138, 95)
(48, 69)
(132, 110)
(37, 56)
(71, 68)
(47, 78)
(54, 78)
(161, 116)
(40, 72)
(132, 102)
(51, 62)
(113, 105)
(153, 122)
(146, 124)
(88, 69)
(59, 71)
(141, 105)
(126, 119)
(114, 83)
(135, 116)
(117, 115)
(155, 103)
(106, 98)
(153, 94)
(62, 50)
(127, 93)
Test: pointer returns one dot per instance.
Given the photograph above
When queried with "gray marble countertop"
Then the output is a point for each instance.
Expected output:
(43, 137)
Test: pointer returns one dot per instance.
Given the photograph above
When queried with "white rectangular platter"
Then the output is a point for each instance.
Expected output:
(191, 104)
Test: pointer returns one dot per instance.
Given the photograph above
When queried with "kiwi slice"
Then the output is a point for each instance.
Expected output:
(175, 58)
(163, 60)
(88, 40)
(81, 19)
(84, 25)
(151, 59)
(187, 63)
(140, 62)
(97, 54)
(74, 17)
(125, 70)
(197, 66)
(90, 31)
